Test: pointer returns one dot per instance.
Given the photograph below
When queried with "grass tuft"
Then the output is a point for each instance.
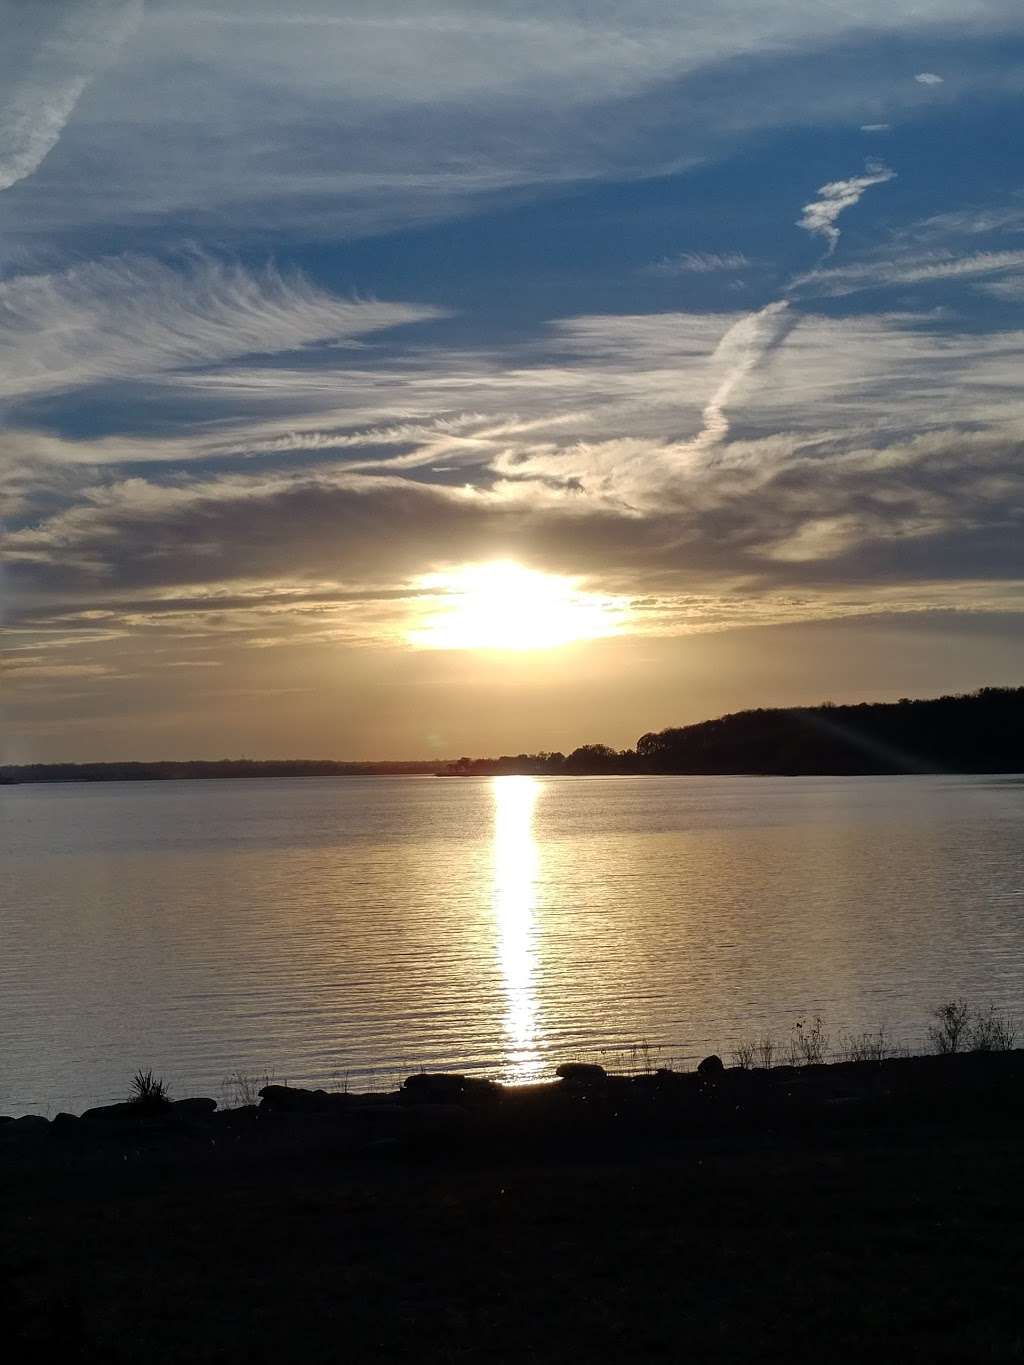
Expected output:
(147, 1091)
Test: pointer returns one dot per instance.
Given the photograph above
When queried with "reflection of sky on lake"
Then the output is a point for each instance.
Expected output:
(370, 928)
(515, 875)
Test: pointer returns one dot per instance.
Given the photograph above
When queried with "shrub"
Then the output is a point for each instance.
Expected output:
(950, 1031)
(755, 1052)
(764, 1050)
(808, 1044)
(866, 1047)
(959, 1027)
(991, 1031)
(743, 1055)
(643, 1058)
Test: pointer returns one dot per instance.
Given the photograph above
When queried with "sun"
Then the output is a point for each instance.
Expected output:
(508, 607)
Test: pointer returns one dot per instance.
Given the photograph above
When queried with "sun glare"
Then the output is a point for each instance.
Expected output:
(506, 606)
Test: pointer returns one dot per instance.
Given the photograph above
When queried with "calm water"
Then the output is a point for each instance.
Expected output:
(320, 929)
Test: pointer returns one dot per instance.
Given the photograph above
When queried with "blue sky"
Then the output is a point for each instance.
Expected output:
(710, 308)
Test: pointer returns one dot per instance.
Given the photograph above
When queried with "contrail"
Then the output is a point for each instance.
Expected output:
(747, 342)
(745, 345)
(38, 107)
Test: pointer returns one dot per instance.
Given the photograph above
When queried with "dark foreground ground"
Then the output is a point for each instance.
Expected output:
(867, 1212)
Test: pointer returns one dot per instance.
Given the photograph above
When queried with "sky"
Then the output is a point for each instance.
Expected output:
(422, 379)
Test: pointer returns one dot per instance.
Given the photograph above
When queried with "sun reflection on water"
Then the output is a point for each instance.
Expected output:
(515, 877)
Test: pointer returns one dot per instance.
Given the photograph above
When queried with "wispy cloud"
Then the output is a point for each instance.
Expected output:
(135, 317)
(342, 121)
(820, 215)
(1010, 290)
(994, 218)
(928, 78)
(602, 471)
(701, 263)
(920, 269)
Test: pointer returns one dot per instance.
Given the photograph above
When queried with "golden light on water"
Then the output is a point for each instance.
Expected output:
(515, 878)
(506, 606)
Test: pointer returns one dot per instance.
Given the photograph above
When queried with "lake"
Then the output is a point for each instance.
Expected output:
(331, 931)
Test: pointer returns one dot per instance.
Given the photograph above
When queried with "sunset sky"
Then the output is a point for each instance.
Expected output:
(396, 379)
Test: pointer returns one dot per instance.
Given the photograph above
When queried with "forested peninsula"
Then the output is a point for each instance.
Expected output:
(976, 732)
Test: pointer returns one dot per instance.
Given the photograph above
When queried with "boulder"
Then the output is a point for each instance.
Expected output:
(243, 1112)
(288, 1099)
(662, 1081)
(582, 1074)
(198, 1107)
(125, 1110)
(31, 1123)
(711, 1066)
(444, 1088)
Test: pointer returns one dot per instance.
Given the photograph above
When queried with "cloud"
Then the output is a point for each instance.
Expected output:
(819, 217)
(701, 263)
(928, 78)
(776, 532)
(337, 121)
(912, 269)
(135, 317)
(839, 446)
(875, 127)
(1010, 290)
(988, 218)
(663, 379)
(53, 55)
(671, 452)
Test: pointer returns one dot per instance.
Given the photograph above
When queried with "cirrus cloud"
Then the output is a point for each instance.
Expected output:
(133, 316)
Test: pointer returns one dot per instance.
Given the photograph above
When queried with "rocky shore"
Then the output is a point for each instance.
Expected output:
(584, 1104)
(726, 1214)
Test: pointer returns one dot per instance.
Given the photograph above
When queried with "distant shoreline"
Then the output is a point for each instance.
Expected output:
(11, 778)
(209, 769)
(977, 733)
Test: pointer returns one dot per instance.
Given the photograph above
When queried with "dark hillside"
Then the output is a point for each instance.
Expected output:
(979, 732)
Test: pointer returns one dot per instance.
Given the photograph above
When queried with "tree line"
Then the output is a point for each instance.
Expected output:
(974, 732)
(980, 731)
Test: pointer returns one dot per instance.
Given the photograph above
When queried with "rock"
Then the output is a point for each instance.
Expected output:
(123, 1110)
(244, 1112)
(63, 1122)
(582, 1073)
(31, 1123)
(711, 1066)
(196, 1108)
(288, 1099)
(443, 1088)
